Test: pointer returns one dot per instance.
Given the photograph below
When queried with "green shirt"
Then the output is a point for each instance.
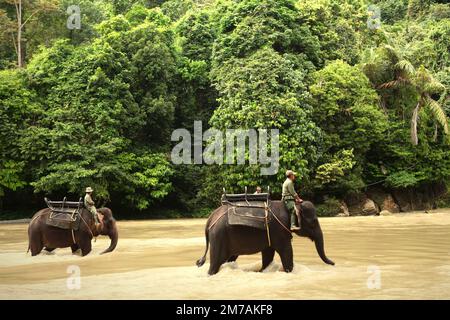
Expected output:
(288, 189)
(88, 202)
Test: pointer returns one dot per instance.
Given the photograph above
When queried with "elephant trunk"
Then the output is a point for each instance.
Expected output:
(318, 241)
(114, 236)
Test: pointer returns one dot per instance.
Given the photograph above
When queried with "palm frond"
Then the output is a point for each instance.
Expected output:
(405, 66)
(392, 53)
(438, 113)
(394, 83)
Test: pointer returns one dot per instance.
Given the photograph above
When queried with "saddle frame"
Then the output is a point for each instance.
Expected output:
(230, 199)
(64, 209)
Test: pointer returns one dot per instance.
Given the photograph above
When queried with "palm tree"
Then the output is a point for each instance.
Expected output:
(421, 80)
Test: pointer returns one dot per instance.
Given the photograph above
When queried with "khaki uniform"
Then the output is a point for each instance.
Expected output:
(90, 205)
(288, 195)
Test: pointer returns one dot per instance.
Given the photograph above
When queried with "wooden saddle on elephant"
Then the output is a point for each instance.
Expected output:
(64, 214)
(251, 210)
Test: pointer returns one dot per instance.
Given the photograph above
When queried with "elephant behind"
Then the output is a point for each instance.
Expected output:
(41, 235)
(229, 241)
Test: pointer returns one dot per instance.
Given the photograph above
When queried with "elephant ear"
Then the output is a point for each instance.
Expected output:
(308, 213)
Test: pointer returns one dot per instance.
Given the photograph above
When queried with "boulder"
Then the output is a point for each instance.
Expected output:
(390, 205)
(377, 194)
(409, 199)
(344, 210)
(385, 213)
(360, 204)
(354, 203)
(369, 208)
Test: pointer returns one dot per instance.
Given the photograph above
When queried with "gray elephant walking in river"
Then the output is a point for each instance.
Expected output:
(227, 241)
(43, 236)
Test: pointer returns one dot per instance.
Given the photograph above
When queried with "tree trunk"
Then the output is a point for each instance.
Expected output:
(19, 33)
(415, 116)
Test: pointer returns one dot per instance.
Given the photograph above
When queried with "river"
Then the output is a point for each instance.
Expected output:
(402, 256)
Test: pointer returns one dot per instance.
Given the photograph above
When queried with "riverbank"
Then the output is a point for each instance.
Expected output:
(26, 217)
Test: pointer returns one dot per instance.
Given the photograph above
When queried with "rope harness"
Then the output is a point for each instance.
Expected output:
(72, 217)
(87, 226)
(281, 223)
(266, 216)
(39, 215)
(267, 210)
(218, 218)
(72, 232)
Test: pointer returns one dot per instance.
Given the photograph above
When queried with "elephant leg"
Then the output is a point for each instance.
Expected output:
(287, 258)
(86, 248)
(232, 258)
(49, 249)
(267, 257)
(74, 248)
(36, 244)
(217, 257)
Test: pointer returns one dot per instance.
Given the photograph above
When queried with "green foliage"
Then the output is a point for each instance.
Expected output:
(339, 165)
(10, 176)
(410, 95)
(346, 109)
(97, 106)
(336, 24)
(265, 93)
(403, 179)
(196, 96)
(92, 12)
(18, 109)
(392, 10)
(197, 34)
(175, 9)
(99, 112)
(250, 25)
(330, 207)
(440, 11)
(416, 8)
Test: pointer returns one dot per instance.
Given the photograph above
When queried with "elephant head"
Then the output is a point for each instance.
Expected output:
(109, 228)
(311, 229)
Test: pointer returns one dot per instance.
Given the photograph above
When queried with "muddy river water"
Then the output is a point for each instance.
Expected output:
(402, 256)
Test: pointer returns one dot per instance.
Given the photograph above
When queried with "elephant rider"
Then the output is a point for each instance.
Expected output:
(290, 198)
(90, 204)
(258, 190)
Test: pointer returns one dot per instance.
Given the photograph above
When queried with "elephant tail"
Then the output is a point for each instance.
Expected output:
(202, 260)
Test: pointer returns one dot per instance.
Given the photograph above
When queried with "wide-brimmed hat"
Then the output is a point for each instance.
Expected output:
(289, 172)
(89, 189)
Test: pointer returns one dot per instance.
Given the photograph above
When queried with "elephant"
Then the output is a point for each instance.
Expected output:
(229, 241)
(41, 235)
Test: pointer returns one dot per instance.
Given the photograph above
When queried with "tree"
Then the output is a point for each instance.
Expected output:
(339, 25)
(25, 11)
(424, 85)
(392, 10)
(18, 106)
(108, 113)
(417, 7)
(175, 9)
(345, 107)
(261, 58)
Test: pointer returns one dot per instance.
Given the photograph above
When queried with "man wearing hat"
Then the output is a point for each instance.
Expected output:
(90, 204)
(290, 198)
